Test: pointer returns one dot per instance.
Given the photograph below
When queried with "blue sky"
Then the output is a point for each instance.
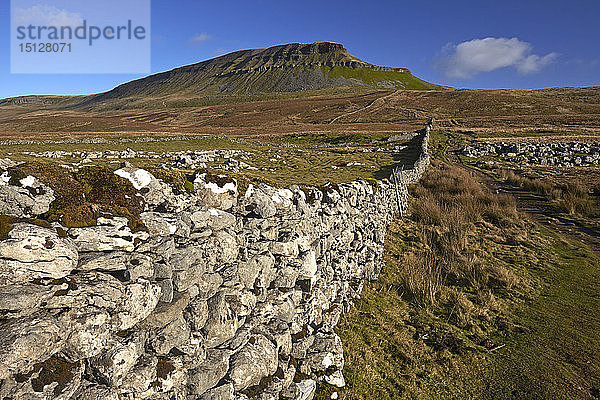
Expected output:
(528, 44)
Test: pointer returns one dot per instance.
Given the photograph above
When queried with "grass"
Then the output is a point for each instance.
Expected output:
(474, 302)
(295, 159)
(573, 198)
(401, 80)
(555, 355)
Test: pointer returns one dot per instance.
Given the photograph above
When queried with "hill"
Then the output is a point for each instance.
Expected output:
(285, 68)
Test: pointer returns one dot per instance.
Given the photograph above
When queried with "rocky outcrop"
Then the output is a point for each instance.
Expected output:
(224, 295)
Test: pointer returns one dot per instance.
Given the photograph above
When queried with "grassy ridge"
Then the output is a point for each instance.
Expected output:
(401, 80)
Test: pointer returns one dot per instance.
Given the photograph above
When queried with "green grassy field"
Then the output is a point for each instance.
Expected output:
(304, 159)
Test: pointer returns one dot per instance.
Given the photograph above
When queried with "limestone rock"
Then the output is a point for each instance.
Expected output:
(27, 341)
(54, 378)
(176, 333)
(210, 372)
(138, 382)
(164, 313)
(223, 392)
(113, 365)
(259, 202)
(287, 249)
(89, 289)
(250, 270)
(158, 224)
(208, 285)
(166, 290)
(24, 299)
(33, 252)
(140, 300)
(27, 198)
(256, 360)
(154, 192)
(307, 389)
(113, 261)
(225, 247)
(222, 320)
(308, 270)
(92, 391)
(110, 234)
(215, 191)
(326, 352)
(90, 332)
(213, 219)
(197, 313)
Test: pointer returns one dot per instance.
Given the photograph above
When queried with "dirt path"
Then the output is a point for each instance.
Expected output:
(372, 103)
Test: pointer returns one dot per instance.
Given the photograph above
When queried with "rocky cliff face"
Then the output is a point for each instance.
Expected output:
(227, 293)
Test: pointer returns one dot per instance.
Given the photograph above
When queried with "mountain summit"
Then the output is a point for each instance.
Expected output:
(284, 68)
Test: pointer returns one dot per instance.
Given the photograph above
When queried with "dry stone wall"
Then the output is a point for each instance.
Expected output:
(223, 296)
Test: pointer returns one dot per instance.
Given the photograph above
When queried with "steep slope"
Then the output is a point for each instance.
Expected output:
(284, 68)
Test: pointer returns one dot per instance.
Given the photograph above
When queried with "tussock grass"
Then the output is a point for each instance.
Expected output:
(448, 204)
(452, 268)
(572, 198)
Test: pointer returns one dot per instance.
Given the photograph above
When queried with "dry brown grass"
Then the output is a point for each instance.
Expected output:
(448, 204)
(453, 268)
(572, 197)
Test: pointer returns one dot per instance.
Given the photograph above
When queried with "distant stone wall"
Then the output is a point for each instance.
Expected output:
(223, 296)
(557, 154)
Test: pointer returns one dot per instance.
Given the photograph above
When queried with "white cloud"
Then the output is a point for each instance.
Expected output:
(534, 63)
(485, 55)
(46, 16)
(201, 38)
